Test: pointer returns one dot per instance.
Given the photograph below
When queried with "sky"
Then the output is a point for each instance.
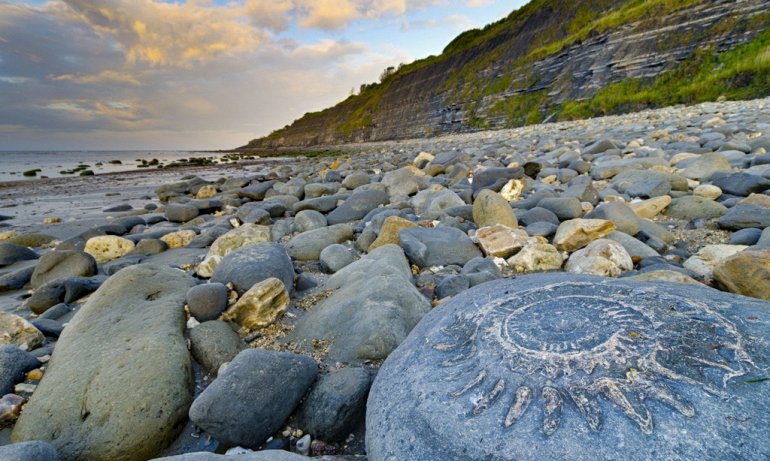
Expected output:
(201, 74)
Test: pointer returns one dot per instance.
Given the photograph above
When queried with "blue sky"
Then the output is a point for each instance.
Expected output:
(200, 74)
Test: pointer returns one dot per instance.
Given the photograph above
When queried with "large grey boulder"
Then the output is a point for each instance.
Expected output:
(374, 307)
(254, 263)
(745, 216)
(438, 246)
(563, 366)
(119, 382)
(62, 263)
(307, 246)
(253, 396)
(358, 205)
(11, 253)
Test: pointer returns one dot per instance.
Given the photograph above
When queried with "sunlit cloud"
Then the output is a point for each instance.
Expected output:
(107, 76)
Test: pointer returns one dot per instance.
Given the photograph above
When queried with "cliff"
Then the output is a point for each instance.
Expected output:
(555, 60)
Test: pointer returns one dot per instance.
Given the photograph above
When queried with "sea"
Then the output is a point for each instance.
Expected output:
(54, 164)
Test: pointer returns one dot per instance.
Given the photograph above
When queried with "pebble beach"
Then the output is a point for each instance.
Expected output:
(244, 310)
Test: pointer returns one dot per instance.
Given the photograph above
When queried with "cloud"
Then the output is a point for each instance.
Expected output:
(105, 76)
(328, 14)
(270, 14)
(479, 3)
(169, 33)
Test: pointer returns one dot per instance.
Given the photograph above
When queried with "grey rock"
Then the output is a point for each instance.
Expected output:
(335, 257)
(207, 301)
(307, 246)
(534, 365)
(213, 343)
(307, 220)
(62, 263)
(150, 247)
(452, 285)
(542, 229)
(631, 179)
(744, 216)
(16, 280)
(357, 206)
(431, 204)
(705, 166)
(563, 207)
(262, 455)
(255, 191)
(48, 327)
(650, 188)
(764, 239)
(693, 206)
(634, 247)
(601, 146)
(11, 253)
(36, 450)
(320, 204)
(583, 192)
(404, 182)
(319, 189)
(741, 184)
(538, 214)
(253, 396)
(619, 213)
(123, 354)
(253, 213)
(335, 405)
(14, 364)
(355, 179)
(181, 212)
(64, 290)
(438, 246)
(254, 263)
(748, 236)
(374, 307)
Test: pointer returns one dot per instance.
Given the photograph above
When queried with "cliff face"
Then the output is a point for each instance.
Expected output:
(558, 60)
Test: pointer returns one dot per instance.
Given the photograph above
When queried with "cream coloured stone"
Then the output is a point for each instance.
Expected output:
(756, 199)
(703, 262)
(207, 191)
(603, 257)
(676, 159)
(7, 235)
(423, 157)
(512, 190)
(537, 257)
(651, 207)
(259, 307)
(665, 275)
(502, 241)
(577, 233)
(179, 239)
(246, 234)
(708, 191)
(51, 220)
(108, 247)
(18, 332)
(490, 208)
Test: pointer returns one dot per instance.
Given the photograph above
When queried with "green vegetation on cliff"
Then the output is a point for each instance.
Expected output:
(497, 77)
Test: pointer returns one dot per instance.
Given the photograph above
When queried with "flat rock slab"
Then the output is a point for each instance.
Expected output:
(556, 366)
(119, 382)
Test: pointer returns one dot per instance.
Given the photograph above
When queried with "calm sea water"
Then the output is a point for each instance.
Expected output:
(52, 163)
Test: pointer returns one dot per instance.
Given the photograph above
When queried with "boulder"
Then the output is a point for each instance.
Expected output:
(260, 306)
(62, 263)
(11, 253)
(603, 257)
(746, 273)
(744, 216)
(16, 331)
(181, 212)
(254, 263)
(437, 246)
(118, 384)
(577, 233)
(307, 246)
(214, 343)
(563, 366)
(374, 307)
(490, 208)
(357, 206)
(108, 247)
(703, 262)
(253, 396)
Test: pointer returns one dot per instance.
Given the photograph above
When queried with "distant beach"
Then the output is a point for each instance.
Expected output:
(54, 164)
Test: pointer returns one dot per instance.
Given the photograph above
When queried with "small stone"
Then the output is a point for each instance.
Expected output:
(207, 301)
(10, 409)
(437, 246)
(14, 363)
(693, 206)
(179, 239)
(181, 212)
(207, 191)
(303, 445)
(501, 241)
(620, 214)
(62, 263)
(577, 233)
(665, 276)
(389, 231)
(307, 246)
(707, 258)
(405, 181)
(307, 220)
(260, 306)
(490, 208)
(423, 157)
(746, 273)
(651, 207)
(760, 200)
(537, 257)
(601, 257)
(213, 344)
(10, 253)
(18, 332)
(108, 247)
(512, 190)
(708, 191)
(51, 220)
(335, 257)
